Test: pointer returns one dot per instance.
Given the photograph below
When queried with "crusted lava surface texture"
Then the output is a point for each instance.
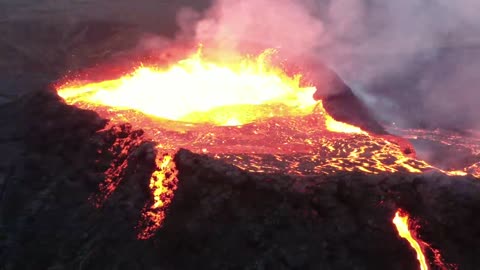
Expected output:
(76, 194)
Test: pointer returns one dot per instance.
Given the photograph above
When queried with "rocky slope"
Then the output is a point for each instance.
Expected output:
(220, 218)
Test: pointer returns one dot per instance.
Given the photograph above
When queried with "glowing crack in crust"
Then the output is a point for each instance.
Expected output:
(248, 112)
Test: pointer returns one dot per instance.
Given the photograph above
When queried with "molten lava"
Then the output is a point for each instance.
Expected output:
(401, 223)
(198, 91)
(247, 112)
(163, 183)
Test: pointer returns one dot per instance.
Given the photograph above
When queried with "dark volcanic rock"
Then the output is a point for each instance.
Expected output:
(339, 99)
(220, 217)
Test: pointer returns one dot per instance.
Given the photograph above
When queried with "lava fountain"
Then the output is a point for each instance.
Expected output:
(199, 91)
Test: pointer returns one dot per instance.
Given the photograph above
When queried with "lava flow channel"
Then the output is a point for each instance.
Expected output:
(405, 231)
(401, 223)
(247, 112)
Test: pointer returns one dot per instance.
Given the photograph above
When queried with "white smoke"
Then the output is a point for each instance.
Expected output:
(412, 61)
(283, 24)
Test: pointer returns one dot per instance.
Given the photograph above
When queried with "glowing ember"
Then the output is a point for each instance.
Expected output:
(401, 223)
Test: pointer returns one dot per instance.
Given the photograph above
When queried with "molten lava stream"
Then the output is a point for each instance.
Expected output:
(401, 221)
(163, 184)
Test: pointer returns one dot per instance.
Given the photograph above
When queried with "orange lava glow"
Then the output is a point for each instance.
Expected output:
(401, 223)
(247, 112)
(337, 126)
(474, 169)
(163, 183)
(195, 90)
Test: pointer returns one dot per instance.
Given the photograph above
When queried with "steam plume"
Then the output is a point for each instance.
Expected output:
(412, 61)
